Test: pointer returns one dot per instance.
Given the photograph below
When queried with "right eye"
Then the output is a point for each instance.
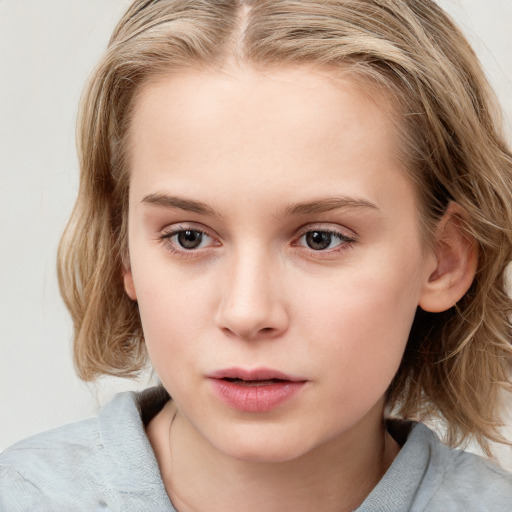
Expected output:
(187, 240)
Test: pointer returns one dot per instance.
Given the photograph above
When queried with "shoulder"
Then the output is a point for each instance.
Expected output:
(43, 469)
(466, 482)
(94, 464)
(428, 476)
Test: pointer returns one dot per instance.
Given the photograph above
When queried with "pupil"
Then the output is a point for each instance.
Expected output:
(318, 240)
(190, 239)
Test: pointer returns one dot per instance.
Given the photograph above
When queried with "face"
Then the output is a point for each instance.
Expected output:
(275, 255)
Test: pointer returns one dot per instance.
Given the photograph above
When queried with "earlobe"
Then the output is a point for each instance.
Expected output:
(128, 284)
(455, 257)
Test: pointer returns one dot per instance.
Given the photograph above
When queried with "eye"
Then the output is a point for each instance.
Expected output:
(180, 239)
(322, 240)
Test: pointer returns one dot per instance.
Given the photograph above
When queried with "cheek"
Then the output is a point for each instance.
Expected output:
(173, 307)
(176, 308)
(359, 329)
(172, 333)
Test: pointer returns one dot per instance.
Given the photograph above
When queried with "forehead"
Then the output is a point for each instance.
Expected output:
(239, 128)
(258, 101)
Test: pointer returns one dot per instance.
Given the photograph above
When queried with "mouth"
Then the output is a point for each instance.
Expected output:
(255, 391)
(257, 375)
(252, 383)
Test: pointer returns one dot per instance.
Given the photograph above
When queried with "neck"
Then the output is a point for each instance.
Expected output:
(336, 476)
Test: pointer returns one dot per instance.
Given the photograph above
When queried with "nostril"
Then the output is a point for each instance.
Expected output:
(266, 332)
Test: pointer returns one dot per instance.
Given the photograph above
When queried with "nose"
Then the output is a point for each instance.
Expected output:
(253, 304)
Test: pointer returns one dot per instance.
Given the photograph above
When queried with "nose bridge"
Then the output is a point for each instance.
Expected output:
(252, 303)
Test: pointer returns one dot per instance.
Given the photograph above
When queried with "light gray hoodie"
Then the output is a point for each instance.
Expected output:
(107, 464)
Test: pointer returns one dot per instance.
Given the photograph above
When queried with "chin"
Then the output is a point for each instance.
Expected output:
(269, 449)
(257, 455)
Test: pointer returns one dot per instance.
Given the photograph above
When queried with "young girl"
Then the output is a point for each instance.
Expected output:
(299, 212)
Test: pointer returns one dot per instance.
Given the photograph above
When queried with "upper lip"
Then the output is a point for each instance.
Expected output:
(253, 374)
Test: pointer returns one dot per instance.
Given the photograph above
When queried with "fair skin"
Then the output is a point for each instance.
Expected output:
(273, 229)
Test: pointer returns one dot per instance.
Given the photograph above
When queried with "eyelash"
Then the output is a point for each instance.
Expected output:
(168, 240)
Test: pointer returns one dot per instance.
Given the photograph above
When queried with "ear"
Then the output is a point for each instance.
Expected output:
(454, 262)
(128, 282)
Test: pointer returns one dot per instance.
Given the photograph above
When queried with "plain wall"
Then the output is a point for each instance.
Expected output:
(47, 49)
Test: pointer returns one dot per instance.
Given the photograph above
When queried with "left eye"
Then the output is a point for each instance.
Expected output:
(322, 240)
(189, 239)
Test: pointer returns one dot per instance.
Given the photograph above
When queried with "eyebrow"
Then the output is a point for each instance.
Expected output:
(180, 203)
(304, 208)
(326, 205)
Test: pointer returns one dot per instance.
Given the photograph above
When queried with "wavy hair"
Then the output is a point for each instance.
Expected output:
(456, 363)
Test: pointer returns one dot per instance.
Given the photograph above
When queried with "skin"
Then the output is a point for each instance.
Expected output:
(256, 160)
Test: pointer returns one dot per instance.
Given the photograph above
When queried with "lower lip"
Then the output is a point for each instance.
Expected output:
(255, 398)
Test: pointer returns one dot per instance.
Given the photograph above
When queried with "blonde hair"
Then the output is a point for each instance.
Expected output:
(457, 362)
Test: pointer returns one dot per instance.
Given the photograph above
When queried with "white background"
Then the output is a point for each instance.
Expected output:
(47, 49)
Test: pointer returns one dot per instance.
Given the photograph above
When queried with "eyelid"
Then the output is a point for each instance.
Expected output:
(172, 229)
(327, 227)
